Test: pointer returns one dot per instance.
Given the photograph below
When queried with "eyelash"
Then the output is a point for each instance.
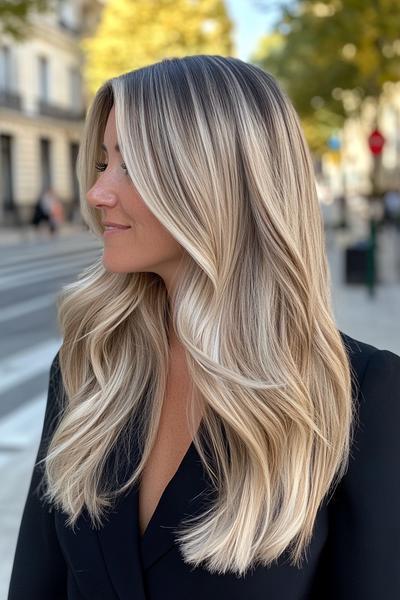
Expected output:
(102, 167)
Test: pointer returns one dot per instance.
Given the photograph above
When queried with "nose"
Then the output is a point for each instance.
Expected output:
(99, 196)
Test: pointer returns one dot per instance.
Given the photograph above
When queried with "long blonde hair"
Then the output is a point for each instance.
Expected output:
(215, 149)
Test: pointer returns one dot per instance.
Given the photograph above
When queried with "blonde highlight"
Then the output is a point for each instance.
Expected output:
(215, 149)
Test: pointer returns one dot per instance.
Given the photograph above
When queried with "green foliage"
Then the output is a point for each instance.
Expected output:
(15, 15)
(333, 55)
(133, 34)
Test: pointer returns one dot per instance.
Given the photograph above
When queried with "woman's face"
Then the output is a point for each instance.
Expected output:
(146, 245)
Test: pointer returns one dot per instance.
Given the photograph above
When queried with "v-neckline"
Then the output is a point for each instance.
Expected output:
(187, 494)
(166, 491)
(127, 554)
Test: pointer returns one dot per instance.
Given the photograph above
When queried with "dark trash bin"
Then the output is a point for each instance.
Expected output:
(357, 262)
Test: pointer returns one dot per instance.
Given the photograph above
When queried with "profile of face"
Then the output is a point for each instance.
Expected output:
(145, 245)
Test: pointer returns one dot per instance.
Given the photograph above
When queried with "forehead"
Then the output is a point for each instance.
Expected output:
(110, 129)
(110, 133)
(111, 115)
(103, 147)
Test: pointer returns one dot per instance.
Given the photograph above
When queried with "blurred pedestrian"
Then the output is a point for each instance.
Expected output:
(392, 208)
(342, 205)
(392, 218)
(48, 209)
(57, 215)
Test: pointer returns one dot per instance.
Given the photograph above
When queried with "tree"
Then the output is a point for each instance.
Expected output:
(15, 16)
(132, 34)
(334, 56)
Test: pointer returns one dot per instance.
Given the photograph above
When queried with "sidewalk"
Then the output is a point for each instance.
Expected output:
(374, 320)
(20, 444)
(11, 236)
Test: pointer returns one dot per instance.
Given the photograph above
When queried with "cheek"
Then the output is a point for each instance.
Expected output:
(142, 248)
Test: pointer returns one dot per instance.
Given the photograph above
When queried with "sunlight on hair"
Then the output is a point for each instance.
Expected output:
(215, 149)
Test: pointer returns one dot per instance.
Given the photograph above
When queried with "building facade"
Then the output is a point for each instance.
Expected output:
(42, 109)
(348, 169)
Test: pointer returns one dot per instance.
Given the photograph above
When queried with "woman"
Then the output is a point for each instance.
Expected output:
(209, 431)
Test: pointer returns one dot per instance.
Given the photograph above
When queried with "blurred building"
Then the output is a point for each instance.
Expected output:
(42, 108)
(348, 169)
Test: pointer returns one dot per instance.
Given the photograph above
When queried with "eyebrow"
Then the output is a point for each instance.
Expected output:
(116, 147)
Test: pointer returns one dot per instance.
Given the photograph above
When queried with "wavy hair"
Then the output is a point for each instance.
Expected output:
(215, 150)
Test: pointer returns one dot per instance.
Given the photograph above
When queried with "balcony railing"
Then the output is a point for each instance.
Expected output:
(55, 111)
(75, 30)
(10, 99)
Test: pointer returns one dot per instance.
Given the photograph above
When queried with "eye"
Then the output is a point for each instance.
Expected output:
(100, 166)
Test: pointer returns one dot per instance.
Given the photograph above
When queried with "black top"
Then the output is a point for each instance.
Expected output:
(354, 553)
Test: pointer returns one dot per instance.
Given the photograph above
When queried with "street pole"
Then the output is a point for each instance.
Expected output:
(376, 142)
(371, 258)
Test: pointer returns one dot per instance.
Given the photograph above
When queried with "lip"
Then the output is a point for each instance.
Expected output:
(115, 230)
(117, 225)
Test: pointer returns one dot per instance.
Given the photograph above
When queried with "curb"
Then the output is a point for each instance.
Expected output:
(11, 236)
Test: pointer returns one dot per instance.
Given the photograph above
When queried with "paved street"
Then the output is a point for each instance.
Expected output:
(31, 274)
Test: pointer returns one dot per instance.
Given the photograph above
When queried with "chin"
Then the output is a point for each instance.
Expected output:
(115, 265)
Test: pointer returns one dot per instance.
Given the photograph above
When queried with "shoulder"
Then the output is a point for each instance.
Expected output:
(55, 399)
(376, 392)
(362, 354)
(55, 372)
(371, 484)
(362, 552)
(373, 370)
(55, 387)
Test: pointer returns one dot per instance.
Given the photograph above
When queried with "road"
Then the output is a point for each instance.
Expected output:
(31, 275)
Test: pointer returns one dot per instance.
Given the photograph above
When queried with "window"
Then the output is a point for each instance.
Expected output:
(43, 78)
(75, 88)
(5, 68)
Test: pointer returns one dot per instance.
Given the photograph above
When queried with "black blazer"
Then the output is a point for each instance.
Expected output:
(354, 553)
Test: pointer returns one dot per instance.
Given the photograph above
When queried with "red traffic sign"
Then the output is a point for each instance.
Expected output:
(376, 141)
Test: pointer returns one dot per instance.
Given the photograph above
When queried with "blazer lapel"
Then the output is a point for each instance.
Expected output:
(119, 541)
(126, 552)
(184, 496)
